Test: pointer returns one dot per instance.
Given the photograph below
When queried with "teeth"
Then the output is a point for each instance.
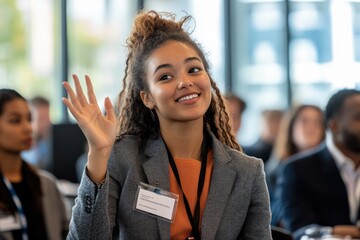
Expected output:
(188, 97)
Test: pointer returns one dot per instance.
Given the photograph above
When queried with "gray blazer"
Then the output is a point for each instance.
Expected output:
(237, 206)
(56, 219)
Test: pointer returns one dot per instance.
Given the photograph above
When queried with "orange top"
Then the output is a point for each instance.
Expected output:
(189, 171)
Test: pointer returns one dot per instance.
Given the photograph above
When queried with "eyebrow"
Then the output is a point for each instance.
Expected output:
(14, 114)
(167, 65)
(17, 114)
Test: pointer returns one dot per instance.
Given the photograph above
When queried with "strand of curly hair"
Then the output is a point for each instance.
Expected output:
(221, 120)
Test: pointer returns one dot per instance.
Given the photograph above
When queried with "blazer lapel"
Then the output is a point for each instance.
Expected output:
(156, 169)
(222, 181)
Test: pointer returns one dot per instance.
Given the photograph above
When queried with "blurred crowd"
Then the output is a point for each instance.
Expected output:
(311, 159)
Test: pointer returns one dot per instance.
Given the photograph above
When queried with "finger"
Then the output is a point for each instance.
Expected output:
(73, 99)
(110, 113)
(90, 90)
(71, 108)
(79, 92)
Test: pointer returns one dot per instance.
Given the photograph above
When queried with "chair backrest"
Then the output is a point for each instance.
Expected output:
(67, 145)
(279, 233)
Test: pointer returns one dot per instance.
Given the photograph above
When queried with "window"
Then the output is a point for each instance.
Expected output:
(258, 61)
(323, 54)
(97, 32)
(30, 46)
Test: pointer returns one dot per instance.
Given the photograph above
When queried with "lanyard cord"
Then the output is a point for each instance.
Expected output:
(194, 220)
(19, 207)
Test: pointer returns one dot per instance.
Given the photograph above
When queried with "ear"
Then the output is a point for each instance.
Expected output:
(147, 99)
(333, 125)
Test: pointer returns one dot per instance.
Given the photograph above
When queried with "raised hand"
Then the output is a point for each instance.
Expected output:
(99, 129)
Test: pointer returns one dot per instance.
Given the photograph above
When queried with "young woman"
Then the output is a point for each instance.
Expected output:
(173, 139)
(302, 129)
(31, 206)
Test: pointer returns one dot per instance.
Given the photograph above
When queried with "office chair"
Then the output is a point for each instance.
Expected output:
(279, 233)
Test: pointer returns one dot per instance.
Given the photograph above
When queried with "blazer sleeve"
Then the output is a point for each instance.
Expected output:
(257, 223)
(94, 212)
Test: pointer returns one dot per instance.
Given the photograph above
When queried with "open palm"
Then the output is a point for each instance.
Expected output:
(99, 129)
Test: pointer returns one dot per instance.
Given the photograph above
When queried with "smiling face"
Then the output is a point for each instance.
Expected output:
(178, 85)
(15, 127)
(308, 130)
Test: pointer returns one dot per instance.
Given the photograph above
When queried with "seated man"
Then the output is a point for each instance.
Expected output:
(236, 106)
(39, 154)
(263, 147)
(322, 187)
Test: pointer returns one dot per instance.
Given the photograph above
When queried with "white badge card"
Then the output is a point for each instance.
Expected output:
(9, 222)
(156, 202)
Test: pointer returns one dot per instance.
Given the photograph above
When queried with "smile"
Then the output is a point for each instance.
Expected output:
(189, 97)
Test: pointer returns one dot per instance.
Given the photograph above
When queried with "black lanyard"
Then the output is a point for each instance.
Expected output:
(194, 220)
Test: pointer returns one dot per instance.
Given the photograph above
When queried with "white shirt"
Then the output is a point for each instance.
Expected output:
(350, 176)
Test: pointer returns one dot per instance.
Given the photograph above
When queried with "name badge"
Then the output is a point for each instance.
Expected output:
(156, 202)
(9, 223)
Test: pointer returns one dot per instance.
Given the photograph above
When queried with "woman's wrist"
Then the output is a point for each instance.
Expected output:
(97, 166)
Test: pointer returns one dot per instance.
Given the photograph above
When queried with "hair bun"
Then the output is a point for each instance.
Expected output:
(151, 24)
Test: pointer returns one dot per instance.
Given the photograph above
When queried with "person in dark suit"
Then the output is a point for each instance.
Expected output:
(322, 187)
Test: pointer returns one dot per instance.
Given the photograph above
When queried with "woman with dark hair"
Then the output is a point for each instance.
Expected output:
(301, 129)
(175, 170)
(31, 205)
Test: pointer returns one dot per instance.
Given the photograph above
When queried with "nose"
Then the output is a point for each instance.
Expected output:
(28, 126)
(185, 82)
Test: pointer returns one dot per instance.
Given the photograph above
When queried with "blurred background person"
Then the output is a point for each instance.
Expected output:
(322, 187)
(302, 129)
(29, 198)
(39, 154)
(262, 148)
(236, 106)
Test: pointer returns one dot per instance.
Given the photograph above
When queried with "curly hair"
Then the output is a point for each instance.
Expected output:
(151, 30)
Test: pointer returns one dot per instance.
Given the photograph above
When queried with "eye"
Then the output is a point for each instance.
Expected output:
(15, 121)
(194, 70)
(165, 77)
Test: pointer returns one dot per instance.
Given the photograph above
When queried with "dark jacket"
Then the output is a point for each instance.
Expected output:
(312, 191)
